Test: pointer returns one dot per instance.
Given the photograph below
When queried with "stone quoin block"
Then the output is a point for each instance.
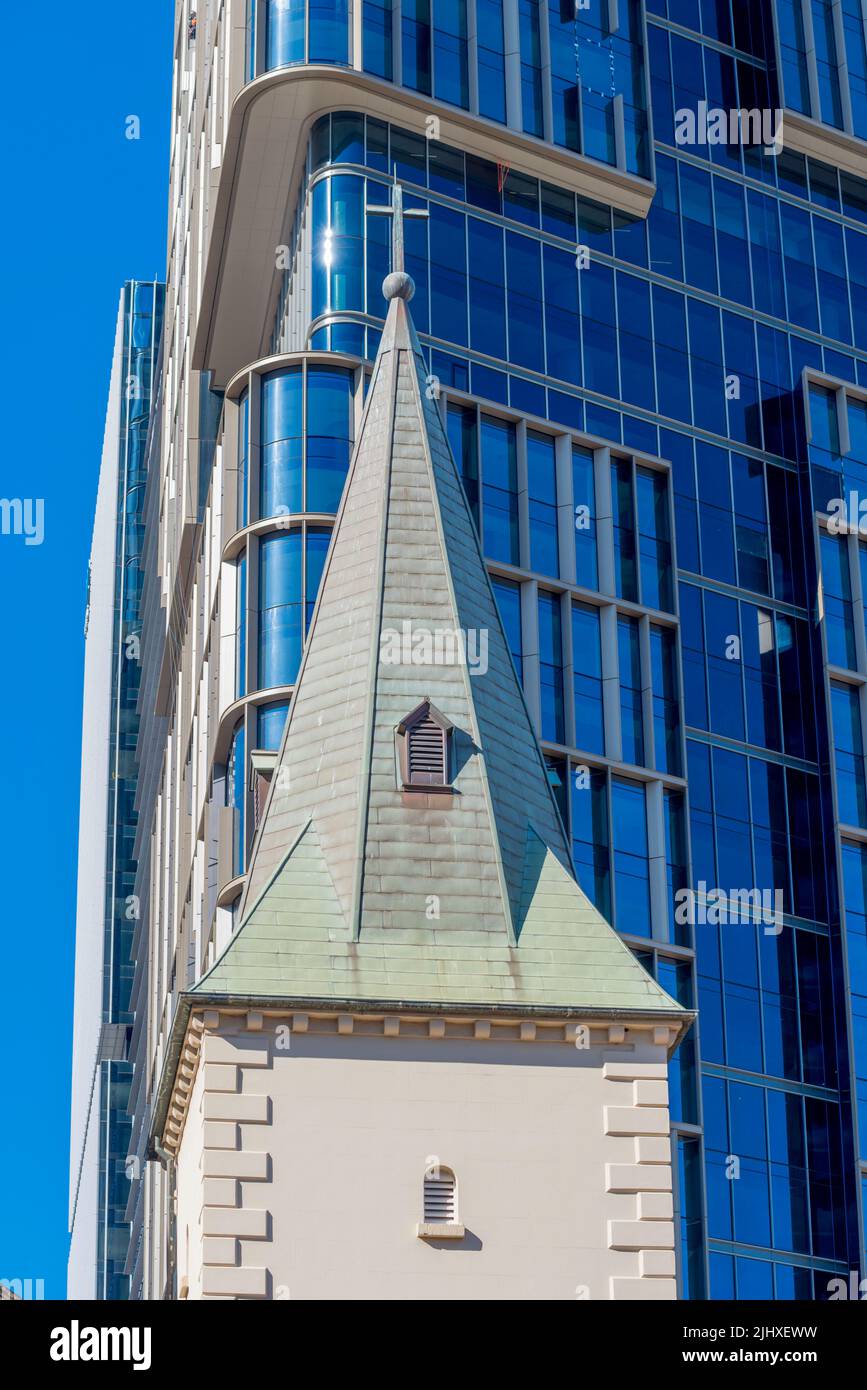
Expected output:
(622, 1119)
(224, 1282)
(219, 1077)
(220, 1192)
(242, 1222)
(637, 1177)
(650, 1093)
(656, 1264)
(220, 1135)
(251, 1110)
(635, 1071)
(640, 1235)
(652, 1149)
(642, 1290)
(655, 1206)
(223, 1163)
(226, 1050)
(219, 1250)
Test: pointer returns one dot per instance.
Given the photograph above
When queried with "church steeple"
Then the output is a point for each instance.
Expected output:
(401, 861)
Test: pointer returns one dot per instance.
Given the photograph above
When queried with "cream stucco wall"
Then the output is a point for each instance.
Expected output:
(303, 1155)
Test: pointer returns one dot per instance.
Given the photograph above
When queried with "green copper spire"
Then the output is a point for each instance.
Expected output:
(362, 887)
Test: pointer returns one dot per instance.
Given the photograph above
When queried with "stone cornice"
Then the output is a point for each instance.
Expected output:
(581, 1030)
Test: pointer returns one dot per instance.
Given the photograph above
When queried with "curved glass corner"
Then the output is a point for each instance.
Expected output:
(285, 33)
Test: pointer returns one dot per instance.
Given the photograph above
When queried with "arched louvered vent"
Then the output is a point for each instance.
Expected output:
(440, 1196)
(424, 749)
(427, 753)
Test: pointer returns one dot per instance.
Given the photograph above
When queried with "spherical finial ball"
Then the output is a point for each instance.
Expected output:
(398, 285)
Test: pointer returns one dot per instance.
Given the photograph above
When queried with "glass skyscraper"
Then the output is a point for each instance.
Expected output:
(683, 381)
(641, 292)
(108, 915)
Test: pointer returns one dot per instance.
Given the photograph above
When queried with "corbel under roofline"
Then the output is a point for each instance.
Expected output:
(189, 1026)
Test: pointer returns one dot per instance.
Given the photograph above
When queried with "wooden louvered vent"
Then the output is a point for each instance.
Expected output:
(439, 1195)
(424, 749)
(427, 753)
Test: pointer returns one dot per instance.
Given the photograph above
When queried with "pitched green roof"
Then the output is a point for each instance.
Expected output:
(357, 891)
(295, 944)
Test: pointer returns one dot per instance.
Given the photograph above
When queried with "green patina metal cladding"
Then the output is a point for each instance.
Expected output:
(355, 891)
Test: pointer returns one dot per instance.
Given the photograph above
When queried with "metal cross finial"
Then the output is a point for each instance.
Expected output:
(397, 212)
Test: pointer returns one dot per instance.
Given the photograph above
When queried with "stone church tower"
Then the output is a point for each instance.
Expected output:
(425, 1067)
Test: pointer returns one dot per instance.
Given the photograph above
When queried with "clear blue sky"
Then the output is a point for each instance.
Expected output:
(86, 210)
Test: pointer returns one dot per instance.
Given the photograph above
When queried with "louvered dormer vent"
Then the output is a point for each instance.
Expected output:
(424, 749)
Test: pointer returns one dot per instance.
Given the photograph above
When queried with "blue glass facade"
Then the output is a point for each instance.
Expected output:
(572, 78)
(653, 417)
(142, 310)
(823, 62)
(295, 426)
